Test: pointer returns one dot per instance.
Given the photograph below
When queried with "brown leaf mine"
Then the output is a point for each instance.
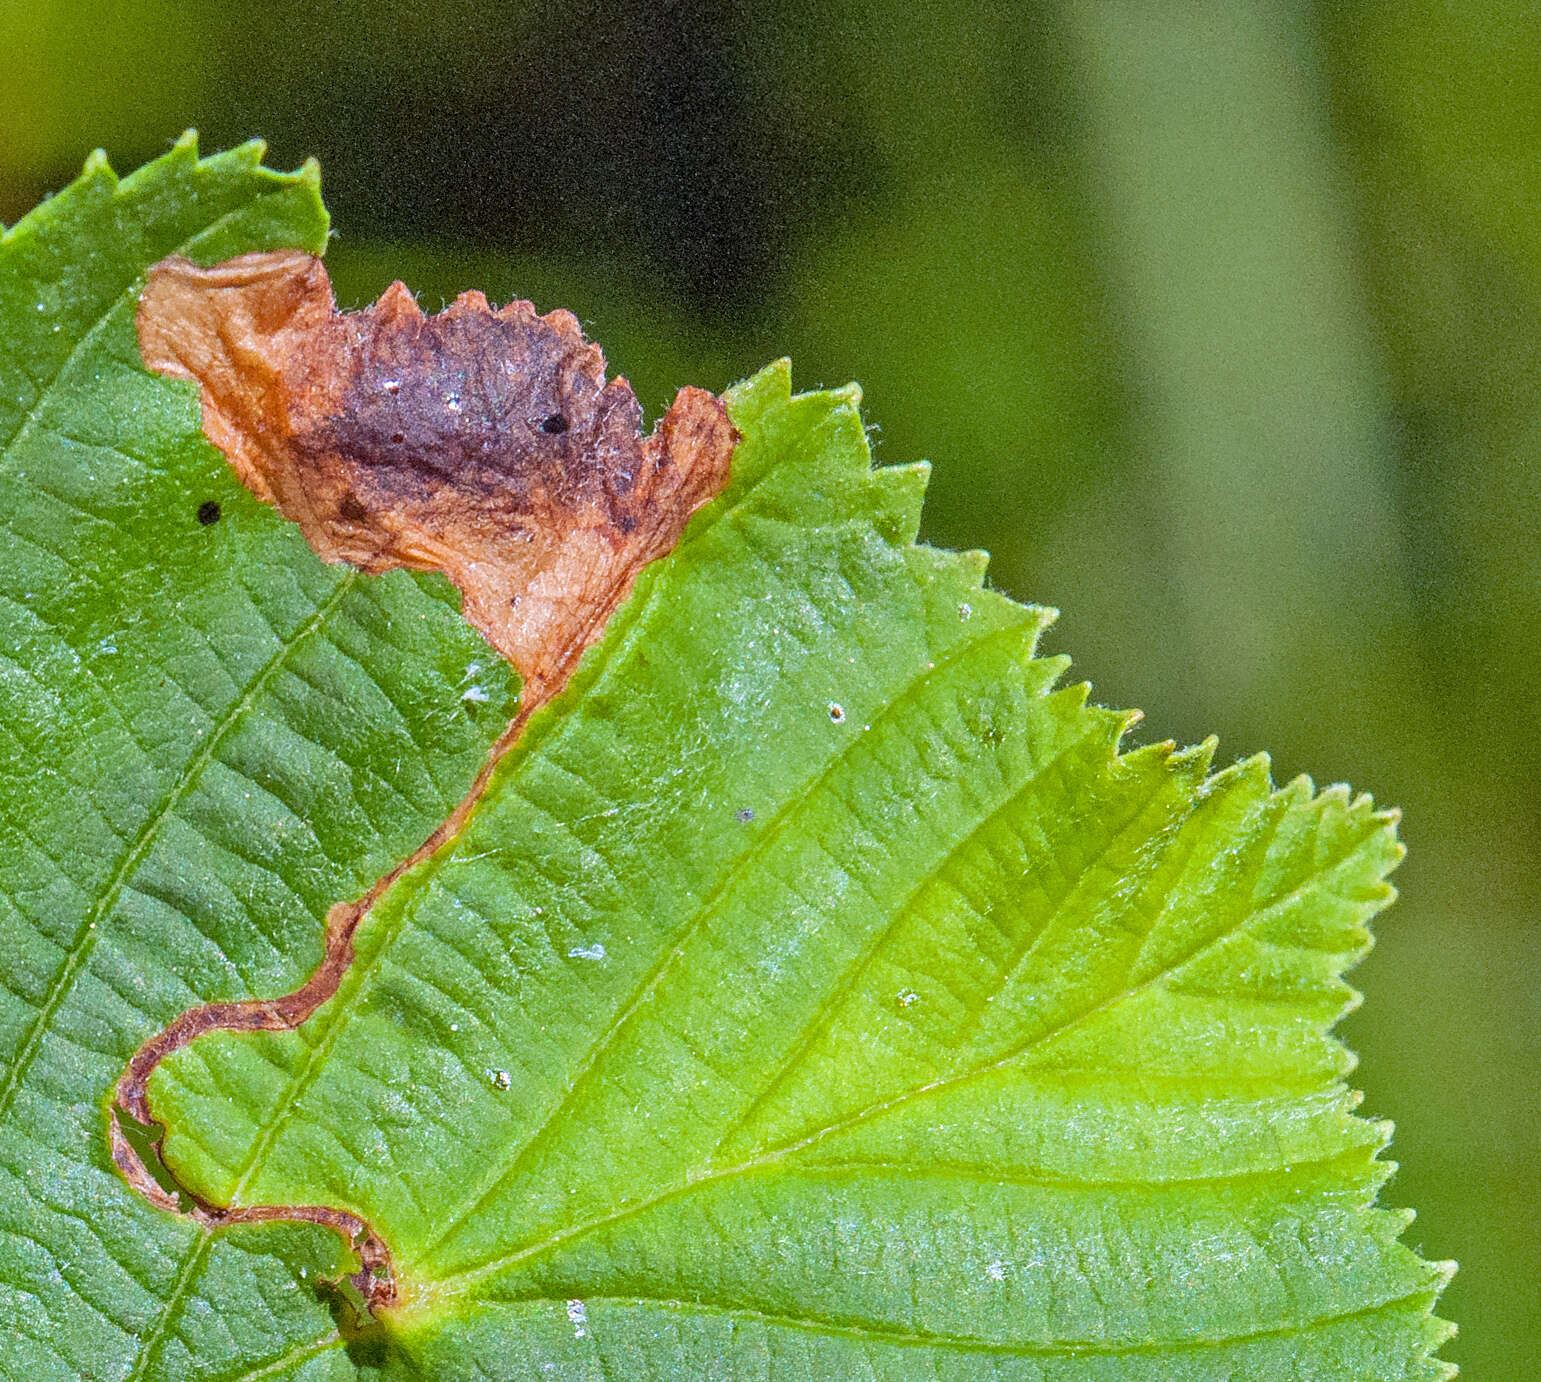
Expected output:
(484, 444)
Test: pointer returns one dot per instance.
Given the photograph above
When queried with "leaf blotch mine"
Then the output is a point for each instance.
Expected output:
(483, 443)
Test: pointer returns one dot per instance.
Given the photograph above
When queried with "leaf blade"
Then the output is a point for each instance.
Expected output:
(982, 911)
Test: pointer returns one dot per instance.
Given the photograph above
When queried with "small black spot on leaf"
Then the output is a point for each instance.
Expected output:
(208, 512)
(554, 425)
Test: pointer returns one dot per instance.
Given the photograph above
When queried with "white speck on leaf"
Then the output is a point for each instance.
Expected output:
(578, 1313)
(587, 952)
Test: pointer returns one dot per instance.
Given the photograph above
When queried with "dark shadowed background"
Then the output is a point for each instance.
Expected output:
(1220, 319)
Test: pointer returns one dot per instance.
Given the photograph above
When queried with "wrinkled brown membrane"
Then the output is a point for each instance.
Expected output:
(483, 444)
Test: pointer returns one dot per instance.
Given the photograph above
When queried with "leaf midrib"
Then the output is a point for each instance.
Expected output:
(1059, 1181)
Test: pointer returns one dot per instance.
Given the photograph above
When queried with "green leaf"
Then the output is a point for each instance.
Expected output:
(815, 992)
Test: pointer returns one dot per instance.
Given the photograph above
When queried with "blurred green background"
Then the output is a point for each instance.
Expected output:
(1221, 321)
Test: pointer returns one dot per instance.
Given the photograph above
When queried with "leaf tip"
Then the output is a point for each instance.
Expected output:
(1257, 770)
(1042, 616)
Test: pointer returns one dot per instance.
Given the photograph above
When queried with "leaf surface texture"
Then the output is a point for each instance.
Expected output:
(816, 991)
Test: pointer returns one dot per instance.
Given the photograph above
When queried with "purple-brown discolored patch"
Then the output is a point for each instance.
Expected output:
(484, 444)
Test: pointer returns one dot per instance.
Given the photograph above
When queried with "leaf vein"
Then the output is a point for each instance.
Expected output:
(789, 812)
(777, 1154)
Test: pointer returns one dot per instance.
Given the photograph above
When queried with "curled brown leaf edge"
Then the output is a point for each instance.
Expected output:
(486, 444)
